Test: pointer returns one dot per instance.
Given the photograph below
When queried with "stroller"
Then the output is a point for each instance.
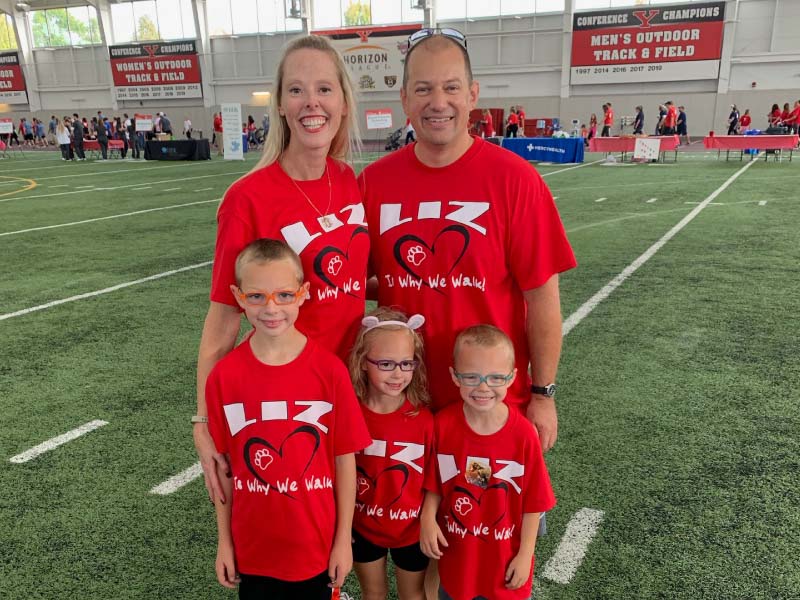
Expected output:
(393, 143)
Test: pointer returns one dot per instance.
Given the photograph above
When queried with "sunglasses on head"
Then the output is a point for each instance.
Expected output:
(423, 34)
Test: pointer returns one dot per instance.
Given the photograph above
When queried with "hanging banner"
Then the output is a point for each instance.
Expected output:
(232, 131)
(12, 82)
(156, 70)
(374, 55)
(670, 43)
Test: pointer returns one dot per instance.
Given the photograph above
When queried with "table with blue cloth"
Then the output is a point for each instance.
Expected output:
(556, 150)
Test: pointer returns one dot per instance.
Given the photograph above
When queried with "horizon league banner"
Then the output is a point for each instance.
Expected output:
(374, 56)
(156, 70)
(670, 43)
(12, 81)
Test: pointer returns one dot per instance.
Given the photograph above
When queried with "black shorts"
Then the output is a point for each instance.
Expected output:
(682, 130)
(259, 587)
(409, 558)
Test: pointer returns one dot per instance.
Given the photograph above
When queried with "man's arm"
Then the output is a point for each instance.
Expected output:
(219, 336)
(544, 344)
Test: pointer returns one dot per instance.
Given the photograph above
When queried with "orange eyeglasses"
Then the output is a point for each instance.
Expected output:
(279, 297)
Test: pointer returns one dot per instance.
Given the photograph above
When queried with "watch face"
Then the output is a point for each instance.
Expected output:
(550, 390)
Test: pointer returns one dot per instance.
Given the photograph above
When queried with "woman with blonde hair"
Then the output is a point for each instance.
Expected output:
(300, 191)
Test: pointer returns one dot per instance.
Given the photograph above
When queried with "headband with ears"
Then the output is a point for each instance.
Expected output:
(414, 322)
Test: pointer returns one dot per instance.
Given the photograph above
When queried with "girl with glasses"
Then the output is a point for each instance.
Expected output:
(388, 374)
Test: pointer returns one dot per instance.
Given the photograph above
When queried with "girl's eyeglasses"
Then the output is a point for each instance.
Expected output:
(279, 297)
(475, 379)
(390, 365)
(454, 34)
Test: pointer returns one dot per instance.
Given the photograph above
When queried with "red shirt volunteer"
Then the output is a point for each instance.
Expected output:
(745, 121)
(481, 517)
(608, 119)
(513, 119)
(672, 117)
(488, 125)
(458, 246)
(333, 246)
(390, 475)
(283, 427)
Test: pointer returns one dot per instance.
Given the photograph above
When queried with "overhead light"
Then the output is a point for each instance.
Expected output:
(23, 6)
(262, 93)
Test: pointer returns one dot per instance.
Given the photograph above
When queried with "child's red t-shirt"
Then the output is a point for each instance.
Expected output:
(267, 204)
(283, 426)
(487, 483)
(390, 474)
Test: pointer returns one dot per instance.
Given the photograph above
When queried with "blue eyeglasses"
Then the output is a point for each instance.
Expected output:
(475, 379)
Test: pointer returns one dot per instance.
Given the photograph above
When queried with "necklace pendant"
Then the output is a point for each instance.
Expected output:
(327, 224)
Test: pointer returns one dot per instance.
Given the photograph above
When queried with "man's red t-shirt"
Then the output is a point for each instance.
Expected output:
(283, 426)
(459, 244)
(390, 475)
(266, 204)
(608, 119)
(672, 117)
(487, 483)
(794, 116)
(218, 123)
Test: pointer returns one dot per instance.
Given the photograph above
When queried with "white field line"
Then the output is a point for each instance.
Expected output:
(178, 481)
(569, 554)
(601, 200)
(652, 200)
(104, 172)
(139, 189)
(625, 218)
(60, 185)
(762, 202)
(555, 197)
(132, 185)
(107, 290)
(570, 168)
(203, 189)
(128, 214)
(56, 442)
(171, 189)
(710, 203)
(588, 306)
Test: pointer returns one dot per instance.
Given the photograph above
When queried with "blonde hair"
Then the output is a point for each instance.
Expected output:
(417, 390)
(267, 250)
(484, 336)
(346, 138)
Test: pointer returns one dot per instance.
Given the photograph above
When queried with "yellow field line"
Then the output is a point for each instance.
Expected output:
(31, 185)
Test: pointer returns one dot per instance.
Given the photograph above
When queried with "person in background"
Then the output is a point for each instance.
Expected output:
(487, 125)
(63, 138)
(102, 137)
(410, 136)
(746, 119)
(584, 133)
(187, 127)
(121, 133)
(166, 124)
(785, 113)
(51, 130)
(774, 116)
(521, 117)
(638, 121)
(592, 127)
(512, 123)
(682, 128)
(733, 121)
(133, 138)
(793, 121)
(216, 136)
(78, 130)
(608, 120)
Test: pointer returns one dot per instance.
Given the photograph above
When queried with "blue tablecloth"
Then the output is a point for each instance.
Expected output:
(557, 150)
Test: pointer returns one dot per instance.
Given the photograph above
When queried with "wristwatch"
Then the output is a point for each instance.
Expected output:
(549, 390)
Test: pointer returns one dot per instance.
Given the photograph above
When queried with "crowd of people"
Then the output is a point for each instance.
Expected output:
(428, 444)
(786, 120)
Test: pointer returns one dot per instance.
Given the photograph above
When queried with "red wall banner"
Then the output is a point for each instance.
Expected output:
(668, 43)
(12, 82)
(157, 70)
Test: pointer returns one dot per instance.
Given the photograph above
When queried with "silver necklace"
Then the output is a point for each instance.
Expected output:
(324, 219)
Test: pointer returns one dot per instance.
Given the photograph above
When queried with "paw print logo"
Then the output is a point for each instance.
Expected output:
(363, 485)
(335, 265)
(263, 459)
(463, 506)
(416, 255)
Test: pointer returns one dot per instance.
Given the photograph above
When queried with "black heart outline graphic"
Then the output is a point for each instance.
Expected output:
(303, 429)
(322, 254)
(458, 488)
(398, 255)
(374, 480)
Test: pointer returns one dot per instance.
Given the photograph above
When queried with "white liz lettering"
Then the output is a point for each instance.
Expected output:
(509, 471)
(409, 454)
(297, 236)
(376, 448)
(234, 413)
(465, 214)
(357, 215)
(274, 411)
(316, 409)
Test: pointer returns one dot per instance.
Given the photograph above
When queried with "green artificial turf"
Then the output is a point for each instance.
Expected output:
(677, 401)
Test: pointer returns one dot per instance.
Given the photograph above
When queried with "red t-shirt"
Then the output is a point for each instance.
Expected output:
(217, 123)
(608, 119)
(512, 119)
(521, 115)
(458, 246)
(482, 505)
(267, 204)
(745, 121)
(672, 117)
(775, 116)
(390, 475)
(488, 125)
(784, 115)
(283, 426)
(794, 116)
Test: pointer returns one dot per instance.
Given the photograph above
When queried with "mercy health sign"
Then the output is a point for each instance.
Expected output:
(373, 55)
(156, 71)
(12, 82)
(671, 43)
